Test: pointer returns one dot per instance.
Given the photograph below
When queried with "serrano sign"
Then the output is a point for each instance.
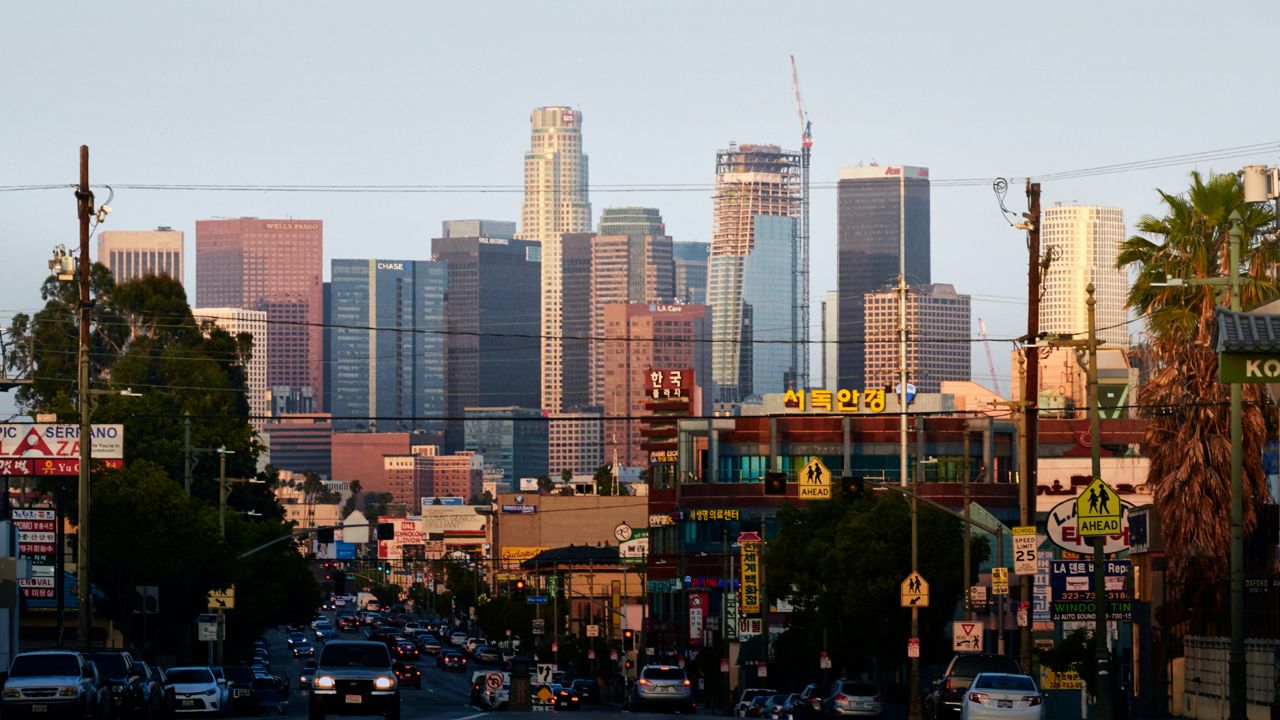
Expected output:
(54, 449)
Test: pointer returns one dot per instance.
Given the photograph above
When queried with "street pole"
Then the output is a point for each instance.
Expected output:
(1236, 658)
(913, 708)
(1103, 710)
(1031, 399)
(85, 210)
(222, 528)
(186, 451)
(968, 601)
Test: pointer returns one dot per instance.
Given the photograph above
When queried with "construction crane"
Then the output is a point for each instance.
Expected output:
(802, 233)
(991, 363)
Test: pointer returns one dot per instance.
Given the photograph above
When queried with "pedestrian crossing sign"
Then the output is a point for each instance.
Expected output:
(914, 591)
(814, 481)
(1098, 511)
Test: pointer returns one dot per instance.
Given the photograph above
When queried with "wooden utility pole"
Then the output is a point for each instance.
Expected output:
(1030, 402)
(84, 211)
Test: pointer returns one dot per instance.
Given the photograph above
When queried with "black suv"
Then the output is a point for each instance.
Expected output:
(354, 677)
(947, 693)
(124, 678)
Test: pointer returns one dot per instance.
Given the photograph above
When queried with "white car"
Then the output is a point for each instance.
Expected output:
(195, 690)
(458, 638)
(1002, 696)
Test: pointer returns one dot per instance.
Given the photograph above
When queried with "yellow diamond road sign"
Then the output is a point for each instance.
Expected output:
(914, 591)
(1098, 511)
(814, 482)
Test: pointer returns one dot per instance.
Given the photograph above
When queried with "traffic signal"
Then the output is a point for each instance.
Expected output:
(851, 486)
(519, 586)
(628, 640)
(775, 483)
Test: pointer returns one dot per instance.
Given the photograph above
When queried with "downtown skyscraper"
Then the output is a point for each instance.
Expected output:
(754, 286)
(881, 210)
(1086, 240)
(555, 203)
(131, 254)
(387, 345)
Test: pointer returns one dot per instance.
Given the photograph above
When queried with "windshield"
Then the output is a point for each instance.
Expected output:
(190, 676)
(662, 673)
(111, 665)
(238, 674)
(859, 689)
(1005, 682)
(355, 655)
(969, 667)
(40, 665)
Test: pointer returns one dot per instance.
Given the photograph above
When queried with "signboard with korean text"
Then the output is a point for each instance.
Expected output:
(750, 578)
(712, 515)
(635, 549)
(54, 449)
(842, 401)
(731, 616)
(670, 384)
(1061, 526)
(697, 617)
(1072, 590)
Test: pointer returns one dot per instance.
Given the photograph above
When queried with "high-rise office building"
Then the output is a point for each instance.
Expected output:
(391, 378)
(831, 340)
(274, 266)
(512, 440)
(458, 475)
(555, 203)
(690, 260)
(491, 325)
(575, 442)
(253, 322)
(1086, 240)
(939, 320)
(650, 336)
(479, 228)
(880, 210)
(130, 254)
(754, 283)
(299, 444)
(576, 321)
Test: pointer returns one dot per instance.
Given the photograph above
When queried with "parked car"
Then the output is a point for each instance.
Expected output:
(195, 690)
(452, 660)
(758, 706)
(270, 696)
(117, 669)
(946, 694)
(240, 699)
(153, 692)
(54, 683)
(354, 677)
(663, 686)
(747, 697)
(307, 675)
(809, 706)
(773, 709)
(408, 675)
(1002, 696)
(854, 698)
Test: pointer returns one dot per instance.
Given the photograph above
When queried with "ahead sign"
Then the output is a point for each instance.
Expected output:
(1098, 510)
(814, 482)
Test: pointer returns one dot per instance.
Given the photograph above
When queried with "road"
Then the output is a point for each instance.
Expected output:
(443, 696)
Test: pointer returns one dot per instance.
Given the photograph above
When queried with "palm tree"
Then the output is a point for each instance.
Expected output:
(1188, 436)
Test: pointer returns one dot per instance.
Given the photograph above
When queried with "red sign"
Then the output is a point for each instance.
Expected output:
(59, 468)
(697, 617)
(47, 441)
(15, 468)
(36, 548)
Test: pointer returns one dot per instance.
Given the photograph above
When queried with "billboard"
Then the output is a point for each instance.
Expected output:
(54, 449)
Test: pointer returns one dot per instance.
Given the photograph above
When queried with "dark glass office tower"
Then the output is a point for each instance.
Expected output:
(690, 260)
(492, 317)
(391, 378)
(875, 204)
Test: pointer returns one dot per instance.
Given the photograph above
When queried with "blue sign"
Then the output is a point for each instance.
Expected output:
(451, 501)
(520, 509)
(344, 551)
(537, 600)
(1073, 579)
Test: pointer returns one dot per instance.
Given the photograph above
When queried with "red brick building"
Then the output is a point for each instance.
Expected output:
(358, 456)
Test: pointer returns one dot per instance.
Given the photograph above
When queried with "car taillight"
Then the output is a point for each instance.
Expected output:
(876, 699)
(686, 682)
(1032, 700)
(978, 697)
(841, 698)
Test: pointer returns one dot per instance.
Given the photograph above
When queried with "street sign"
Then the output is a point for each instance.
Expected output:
(999, 581)
(622, 532)
(222, 599)
(1024, 550)
(537, 600)
(1062, 527)
(546, 673)
(913, 647)
(493, 681)
(966, 636)
(593, 631)
(207, 631)
(1098, 510)
(750, 627)
(724, 665)
(814, 481)
(539, 626)
(762, 670)
(914, 591)
(824, 660)
(553, 585)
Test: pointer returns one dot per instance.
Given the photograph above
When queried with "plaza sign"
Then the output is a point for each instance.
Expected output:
(1248, 368)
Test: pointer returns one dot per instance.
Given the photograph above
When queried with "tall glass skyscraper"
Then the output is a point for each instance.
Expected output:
(881, 208)
(391, 378)
(690, 260)
(754, 285)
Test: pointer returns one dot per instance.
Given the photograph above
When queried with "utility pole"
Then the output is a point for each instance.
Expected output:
(85, 211)
(1031, 400)
(222, 527)
(1236, 663)
(186, 451)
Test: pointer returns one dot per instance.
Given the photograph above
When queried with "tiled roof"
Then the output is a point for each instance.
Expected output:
(1241, 332)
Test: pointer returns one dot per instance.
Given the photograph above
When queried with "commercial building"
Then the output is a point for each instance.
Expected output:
(577, 318)
(131, 254)
(391, 378)
(457, 475)
(254, 323)
(754, 285)
(831, 339)
(575, 442)
(299, 444)
(478, 228)
(512, 440)
(491, 321)
(555, 203)
(274, 266)
(1086, 240)
(650, 337)
(527, 524)
(882, 209)
(358, 456)
(404, 477)
(938, 348)
(690, 261)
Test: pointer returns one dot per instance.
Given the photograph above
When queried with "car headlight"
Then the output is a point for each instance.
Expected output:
(66, 692)
(12, 693)
(384, 683)
(324, 681)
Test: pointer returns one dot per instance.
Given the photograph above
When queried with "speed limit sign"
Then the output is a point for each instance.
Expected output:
(1024, 550)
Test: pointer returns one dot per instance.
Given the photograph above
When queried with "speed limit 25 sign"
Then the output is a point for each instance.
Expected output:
(1025, 541)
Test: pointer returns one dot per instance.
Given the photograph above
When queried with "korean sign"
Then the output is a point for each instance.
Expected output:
(750, 578)
(45, 449)
(712, 515)
(845, 401)
(670, 384)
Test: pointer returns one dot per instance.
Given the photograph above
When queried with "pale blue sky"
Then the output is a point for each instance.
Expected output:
(435, 93)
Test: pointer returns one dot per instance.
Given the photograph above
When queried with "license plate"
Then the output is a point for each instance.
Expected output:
(188, 703)
(354, 699)
(39, 708)
(1004, 703)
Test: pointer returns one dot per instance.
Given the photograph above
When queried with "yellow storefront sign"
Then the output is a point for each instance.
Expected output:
(1067, 680)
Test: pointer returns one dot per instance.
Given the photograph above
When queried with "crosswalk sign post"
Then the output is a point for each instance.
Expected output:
(914, 591)
(1098, 510)
(814, 481)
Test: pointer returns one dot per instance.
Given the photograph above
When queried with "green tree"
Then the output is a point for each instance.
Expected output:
(353, 500)
(545, 485)
(604, 480)
(1188, 435)
(376, 505)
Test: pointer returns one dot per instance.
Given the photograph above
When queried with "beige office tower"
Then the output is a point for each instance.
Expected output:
(254, 322)
(130, 254)
(555, 203)
(1084, 241)
(938, 322)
